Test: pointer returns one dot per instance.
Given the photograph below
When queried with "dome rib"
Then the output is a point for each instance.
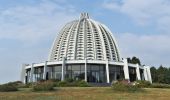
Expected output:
(85, 39)
(102, 41)
(93, 39)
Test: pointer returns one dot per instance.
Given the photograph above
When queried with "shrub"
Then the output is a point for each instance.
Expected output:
(142, 84)
(83, 84)
(124, 86)
(158, 85)
(67, 83)
(43, 86)
(62, 83)
(69, 80)
(18, 84)
(28, 85)
(8, 87)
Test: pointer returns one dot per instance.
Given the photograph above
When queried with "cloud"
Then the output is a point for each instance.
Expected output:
(154, 14)
(34, 22)
(151, 49)
(143, 12)
(27, 32)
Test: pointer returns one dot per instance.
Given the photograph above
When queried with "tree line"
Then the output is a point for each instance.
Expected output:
(159, 75)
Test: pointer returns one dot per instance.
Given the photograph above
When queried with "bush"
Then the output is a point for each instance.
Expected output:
(28, 85)
(62, 84)
(18, 84)
(158, 85)
(124, 86)
(67, 83)
(43, 86)
(142, 84)
(69, 80)
(83, 84)
(8, 87)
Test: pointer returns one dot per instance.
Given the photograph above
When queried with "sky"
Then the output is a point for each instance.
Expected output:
(29, 27)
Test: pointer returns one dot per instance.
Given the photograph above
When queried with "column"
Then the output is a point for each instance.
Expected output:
(149, 74)
(138, 72)
(145, 73)
(32, 72)
(63, 68)
(85, 76)
(107, 71)
(23, 73)
(45, 70)
(126, 69)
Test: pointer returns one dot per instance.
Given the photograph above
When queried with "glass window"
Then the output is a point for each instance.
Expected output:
(75, 67)
(96, 73)
(68, 67)
(75, 72)
(82, 67)
(57, 68)
(94, 67)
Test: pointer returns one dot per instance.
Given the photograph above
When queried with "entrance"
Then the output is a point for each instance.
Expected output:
(93, 76)
(96, 73)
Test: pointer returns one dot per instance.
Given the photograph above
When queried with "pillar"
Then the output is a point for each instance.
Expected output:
(32, 73)
(63, 68)
(107, 71)
(138, 72)
(45, 70)
(85, 76)
(23, 73)
(147, 74)
(126, 69)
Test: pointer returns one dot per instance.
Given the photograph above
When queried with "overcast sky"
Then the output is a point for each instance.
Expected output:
(28, 28)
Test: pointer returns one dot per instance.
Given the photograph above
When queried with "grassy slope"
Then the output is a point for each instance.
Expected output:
(89, 93)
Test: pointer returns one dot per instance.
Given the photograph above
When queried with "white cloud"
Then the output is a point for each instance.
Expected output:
(31, 23)
(143, 12)
(26, 33)
(152, 49)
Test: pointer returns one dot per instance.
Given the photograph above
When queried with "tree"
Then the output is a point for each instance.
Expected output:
(167, 76)
(154, 74)
(134, 60)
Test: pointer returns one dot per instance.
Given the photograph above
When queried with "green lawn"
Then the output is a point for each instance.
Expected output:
(86, 93)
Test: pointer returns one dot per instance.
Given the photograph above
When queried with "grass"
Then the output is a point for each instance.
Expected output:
(86, 93)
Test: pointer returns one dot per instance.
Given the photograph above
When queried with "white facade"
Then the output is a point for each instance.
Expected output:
(90, 46)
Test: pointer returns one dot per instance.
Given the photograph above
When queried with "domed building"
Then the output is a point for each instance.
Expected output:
(85, 50)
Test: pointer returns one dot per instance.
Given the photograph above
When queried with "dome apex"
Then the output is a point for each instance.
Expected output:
(84, 15)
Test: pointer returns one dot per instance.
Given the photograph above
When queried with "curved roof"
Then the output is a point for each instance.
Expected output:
(85, 39)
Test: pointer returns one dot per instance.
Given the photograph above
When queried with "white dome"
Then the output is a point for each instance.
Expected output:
(84, 39)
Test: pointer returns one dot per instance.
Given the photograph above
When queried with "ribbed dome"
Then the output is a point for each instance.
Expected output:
(84, 39)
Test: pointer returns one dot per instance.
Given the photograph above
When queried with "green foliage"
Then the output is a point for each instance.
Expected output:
(158, 85)
(69, 80)
(142, 84)
(154, 74)
(62, 84)
(160, 75)
(134, 60)
(18, 84)
(28, 85)
(43, 86)
(83, 84)
(123, 86)
(8, 87)
(72, 83)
